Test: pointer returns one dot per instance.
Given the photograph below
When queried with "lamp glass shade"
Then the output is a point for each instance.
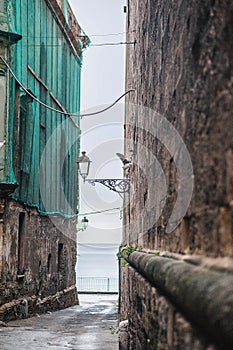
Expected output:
(84, 165)
(84, 168)
(84, 222)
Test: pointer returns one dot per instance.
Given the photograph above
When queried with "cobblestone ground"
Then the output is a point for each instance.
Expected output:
(89, 326)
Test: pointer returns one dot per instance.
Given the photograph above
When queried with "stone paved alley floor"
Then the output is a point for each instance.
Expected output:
(83, 327)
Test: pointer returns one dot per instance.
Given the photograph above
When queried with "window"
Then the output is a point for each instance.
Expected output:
(49, 263)
(21, 244)
(60, 261)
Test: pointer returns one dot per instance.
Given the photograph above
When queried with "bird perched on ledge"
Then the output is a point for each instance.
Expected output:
(126, 163)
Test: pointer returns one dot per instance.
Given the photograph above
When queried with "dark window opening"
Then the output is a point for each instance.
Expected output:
(21, 244)
(49, 264)
(40, 267)
(60, 257)
(145, 197)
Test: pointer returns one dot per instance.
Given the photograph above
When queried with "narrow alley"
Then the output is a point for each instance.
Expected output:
(116, 175)
(88, 326)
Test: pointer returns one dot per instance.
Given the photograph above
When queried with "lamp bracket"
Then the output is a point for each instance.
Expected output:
(117, 185)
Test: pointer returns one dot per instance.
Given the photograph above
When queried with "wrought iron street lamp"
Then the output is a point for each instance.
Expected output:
(84, 224)
(120, 186)
(84, 165)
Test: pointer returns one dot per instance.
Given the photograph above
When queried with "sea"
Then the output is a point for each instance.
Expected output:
(97, 267)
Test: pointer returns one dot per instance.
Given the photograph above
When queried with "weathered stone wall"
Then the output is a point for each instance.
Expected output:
(42, 269)
(154, 323)
(181, 68)
(37, 252)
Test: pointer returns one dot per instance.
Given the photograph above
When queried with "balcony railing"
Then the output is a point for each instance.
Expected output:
(97, 284)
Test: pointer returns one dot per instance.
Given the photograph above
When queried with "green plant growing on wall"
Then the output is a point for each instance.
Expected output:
(125, 263)
(118, 255)
(129, 250)
(126, 252)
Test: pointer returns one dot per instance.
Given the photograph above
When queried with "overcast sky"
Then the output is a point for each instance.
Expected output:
(102, 135)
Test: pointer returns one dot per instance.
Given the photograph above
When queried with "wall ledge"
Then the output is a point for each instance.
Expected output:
(224, 264)
(204, 296)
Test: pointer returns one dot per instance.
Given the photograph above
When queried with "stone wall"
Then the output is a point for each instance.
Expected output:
(37, 252)
(181, 68)
(37, 261)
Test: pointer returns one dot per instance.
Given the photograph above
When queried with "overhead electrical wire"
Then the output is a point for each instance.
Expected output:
(89, 35)
(91, 45)
(99, 212)
(112, 34)
(57, 110)
(114, 44)
(77, 114)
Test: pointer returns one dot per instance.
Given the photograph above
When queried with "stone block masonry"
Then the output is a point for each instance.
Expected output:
(203, 293)
(181, 68)
(37, 262)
